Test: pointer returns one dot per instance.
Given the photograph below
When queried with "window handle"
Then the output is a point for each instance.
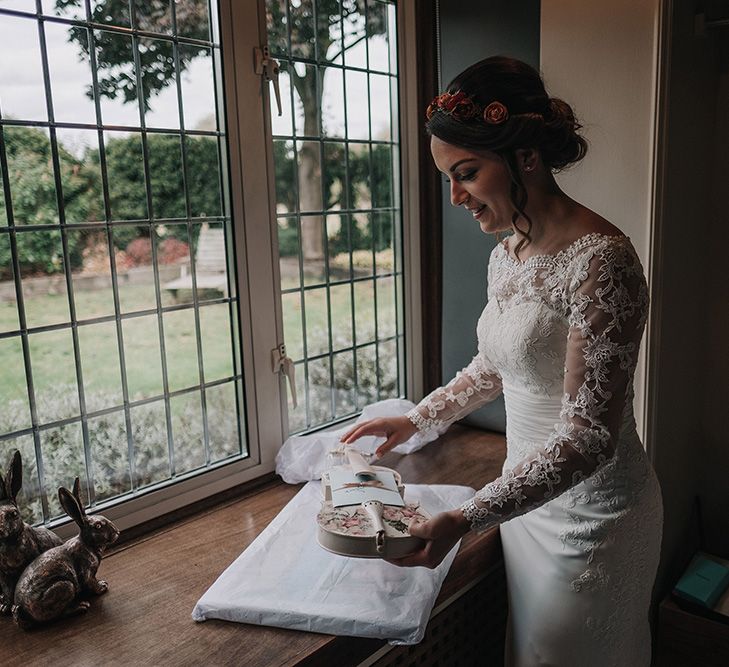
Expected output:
(281, 363)
(269, 69)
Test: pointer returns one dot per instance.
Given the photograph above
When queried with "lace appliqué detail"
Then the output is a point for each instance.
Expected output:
(606, 301)
(475, 385)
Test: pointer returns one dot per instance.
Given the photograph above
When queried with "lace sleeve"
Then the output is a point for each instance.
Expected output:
(470, 389)
(608, 302)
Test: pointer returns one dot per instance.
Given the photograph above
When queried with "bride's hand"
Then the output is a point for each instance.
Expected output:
(396, 429)
(441, 533)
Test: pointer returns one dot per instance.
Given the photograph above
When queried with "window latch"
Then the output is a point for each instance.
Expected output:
(269, 69)
(280, 363)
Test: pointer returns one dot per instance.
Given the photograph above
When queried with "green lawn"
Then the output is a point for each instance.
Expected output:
(52, 357)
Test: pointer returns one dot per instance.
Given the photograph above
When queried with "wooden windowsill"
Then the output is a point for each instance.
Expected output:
(155, 581)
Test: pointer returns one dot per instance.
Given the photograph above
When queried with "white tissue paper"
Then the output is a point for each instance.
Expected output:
(304, 457)
(286, 580)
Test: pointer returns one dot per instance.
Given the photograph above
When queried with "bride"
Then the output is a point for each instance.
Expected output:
(578, 504)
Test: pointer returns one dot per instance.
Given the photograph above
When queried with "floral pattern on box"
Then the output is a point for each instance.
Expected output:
(355, 520)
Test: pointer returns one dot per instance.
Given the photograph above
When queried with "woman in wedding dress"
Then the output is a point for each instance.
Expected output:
(578, 504)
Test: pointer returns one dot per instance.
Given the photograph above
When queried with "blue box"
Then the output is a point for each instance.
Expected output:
(703, 582)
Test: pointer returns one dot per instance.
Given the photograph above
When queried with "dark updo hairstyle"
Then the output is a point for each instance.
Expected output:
(534, 120)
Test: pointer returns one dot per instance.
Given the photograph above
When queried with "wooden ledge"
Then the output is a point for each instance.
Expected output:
(155, 581)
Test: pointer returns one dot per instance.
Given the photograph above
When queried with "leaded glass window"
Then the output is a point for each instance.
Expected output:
(119, 350)
(338, 211)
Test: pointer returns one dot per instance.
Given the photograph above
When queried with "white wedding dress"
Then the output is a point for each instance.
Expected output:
(578, 502)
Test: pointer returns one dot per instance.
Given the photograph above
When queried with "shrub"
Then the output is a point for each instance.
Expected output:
(63, 452)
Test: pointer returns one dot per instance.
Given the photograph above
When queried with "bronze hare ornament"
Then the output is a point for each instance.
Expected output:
(54, 584)
(20, 543)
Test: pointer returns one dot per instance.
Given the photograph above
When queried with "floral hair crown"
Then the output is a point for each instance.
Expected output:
(461, 107)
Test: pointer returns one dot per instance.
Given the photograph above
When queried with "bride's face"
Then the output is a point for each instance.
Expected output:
(480, 182)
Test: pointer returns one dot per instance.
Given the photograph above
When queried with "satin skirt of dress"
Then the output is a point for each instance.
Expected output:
(580, 569)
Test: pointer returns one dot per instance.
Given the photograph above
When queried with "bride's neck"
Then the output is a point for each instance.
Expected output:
(548, 209)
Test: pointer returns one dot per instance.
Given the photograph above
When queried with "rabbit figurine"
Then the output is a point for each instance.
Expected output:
(20, 543)
(54, 583)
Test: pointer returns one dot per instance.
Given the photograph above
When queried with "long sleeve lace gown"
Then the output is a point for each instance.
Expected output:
(578, 502)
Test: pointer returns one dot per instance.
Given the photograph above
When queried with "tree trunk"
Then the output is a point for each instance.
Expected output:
(310, 168)
(310, 199)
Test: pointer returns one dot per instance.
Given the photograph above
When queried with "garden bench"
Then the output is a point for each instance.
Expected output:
(210, 265)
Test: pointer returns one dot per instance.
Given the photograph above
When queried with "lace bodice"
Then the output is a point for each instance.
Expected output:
(560, 329)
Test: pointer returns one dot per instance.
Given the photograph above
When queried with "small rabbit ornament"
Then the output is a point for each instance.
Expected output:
(53, 584)
(20, 543)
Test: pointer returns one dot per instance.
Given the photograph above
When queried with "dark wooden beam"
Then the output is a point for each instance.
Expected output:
(431, 234)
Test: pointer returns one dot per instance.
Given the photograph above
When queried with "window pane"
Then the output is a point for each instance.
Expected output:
(135, 268)
(40, 255)
(380, 107)
(341, 299)
(344, 383)
(62, 449)
(70, 70)
(377, 36)
(276, 22)
(8, 303)
(386, 323)
(366, 375)
(21, 87)
(92, 286)
(113, 13)
(110, 455)
(358, 117)
(285, 166)
(317, 327)
(334, 175)
(355, 50)
(149, 435)
(387, 369)
(198, 87)
(364, 309)
(159, 83)
(54, 375)
(192, 18)
(293, 333)
(15, 414)
(360, 196)
(320, 392)
(142, 357)
(203, 176)
(332, 109)
(165, 175)
(125, 170)
(187, 432)
(116, 79)
(174, 264)
(282, 125)
(211, 261)
(181, 346)
(216, 342)
(301, 14)
(306, 118)
(154, 16)
(100, 366)
(30, 171)
(297, 415)
(83, 194)
(224, 439)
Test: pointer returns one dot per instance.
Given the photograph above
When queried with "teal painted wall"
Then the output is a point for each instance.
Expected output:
(471, 30)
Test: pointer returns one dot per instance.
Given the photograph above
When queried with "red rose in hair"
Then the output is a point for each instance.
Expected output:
(495, 113)
(457, 104)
